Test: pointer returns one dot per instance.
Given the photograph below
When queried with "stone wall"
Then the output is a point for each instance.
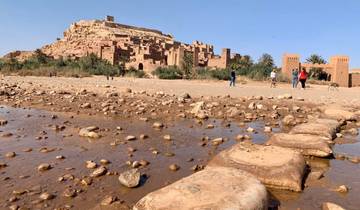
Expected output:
(354, 79)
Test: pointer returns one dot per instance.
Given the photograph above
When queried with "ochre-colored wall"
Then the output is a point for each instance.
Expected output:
(355, 78)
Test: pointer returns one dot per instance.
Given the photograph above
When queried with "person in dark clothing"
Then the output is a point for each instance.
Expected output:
(232, 78)
(302, 78)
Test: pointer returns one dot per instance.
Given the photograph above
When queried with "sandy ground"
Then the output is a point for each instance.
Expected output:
(315, 94)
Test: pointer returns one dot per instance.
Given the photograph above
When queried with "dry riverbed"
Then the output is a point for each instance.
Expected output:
(45, 163)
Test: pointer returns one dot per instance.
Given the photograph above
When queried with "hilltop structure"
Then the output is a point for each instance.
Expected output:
(337, 69)
(141, 48)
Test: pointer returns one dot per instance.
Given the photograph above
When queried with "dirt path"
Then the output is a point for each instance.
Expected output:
(315, 94)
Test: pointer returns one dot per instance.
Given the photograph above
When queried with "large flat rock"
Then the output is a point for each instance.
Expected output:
(306, 144)
(213, 188)
(336, 124)
(314, 128)
(339, 114)
(274, 166)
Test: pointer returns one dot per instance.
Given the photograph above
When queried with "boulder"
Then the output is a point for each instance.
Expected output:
(276, 167)
(304, 143)
(339, 114)
(324, 130)
(211, 188)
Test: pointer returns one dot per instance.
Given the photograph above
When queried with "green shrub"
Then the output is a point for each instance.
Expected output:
(220, 74)
(132, 72)
(202, 73)
(169, 72)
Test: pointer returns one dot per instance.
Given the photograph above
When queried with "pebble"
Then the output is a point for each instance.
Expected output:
(144, 136)
(108, 200)
(250, 130)
(158, 125)
(91, 164)
(60, 157)
(99, 172)
(267, 129)
(342, 189)
(130, 138)
(86, 181)
(10, 154)
(70, 193)
(217, 141)
(210, 126)
(174, 167)
(46, 196)
(104, 161)
(44, 167)
(167, 137)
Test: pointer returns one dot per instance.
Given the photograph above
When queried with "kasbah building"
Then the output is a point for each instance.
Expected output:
(147, 49)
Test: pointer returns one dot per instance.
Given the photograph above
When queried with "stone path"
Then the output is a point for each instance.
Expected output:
(232, 179)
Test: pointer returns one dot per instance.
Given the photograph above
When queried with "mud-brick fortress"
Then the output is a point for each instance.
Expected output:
(141, 48)
(337, 68)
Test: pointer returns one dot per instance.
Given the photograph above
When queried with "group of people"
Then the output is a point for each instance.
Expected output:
(295, 74)
(299, 77)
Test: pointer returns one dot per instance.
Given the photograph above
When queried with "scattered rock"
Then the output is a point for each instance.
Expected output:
(158, 125)
(85, 105)
(267, 129)
(89, 132)
(91, 164)
(3, 121)
(108, 200)
(46, 196)
(44, 167)
(99, 172)
(130, 178)
(130, 138)
(174, 167)
(70, 193)
(10, 154)
(167, 137)
(342, 189)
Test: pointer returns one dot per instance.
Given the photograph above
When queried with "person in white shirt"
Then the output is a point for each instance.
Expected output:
(273, 78)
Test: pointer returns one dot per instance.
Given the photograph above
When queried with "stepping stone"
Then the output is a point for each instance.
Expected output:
(211, 188)
(330, 122)
(276, 167)
(306, 144)
(313, 128)
(340, 114)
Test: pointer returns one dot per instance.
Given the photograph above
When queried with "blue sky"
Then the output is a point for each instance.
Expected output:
(325, 27)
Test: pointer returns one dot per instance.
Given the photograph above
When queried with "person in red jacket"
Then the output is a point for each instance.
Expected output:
(303, 77)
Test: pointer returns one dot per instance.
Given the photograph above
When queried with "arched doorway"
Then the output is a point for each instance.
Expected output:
(141, 66)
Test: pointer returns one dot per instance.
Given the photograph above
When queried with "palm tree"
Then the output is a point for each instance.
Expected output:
(315, 59)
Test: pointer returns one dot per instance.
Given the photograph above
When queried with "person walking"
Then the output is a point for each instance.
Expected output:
(232, 78)
(295, 78)
(273, 78)
(303, 77)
